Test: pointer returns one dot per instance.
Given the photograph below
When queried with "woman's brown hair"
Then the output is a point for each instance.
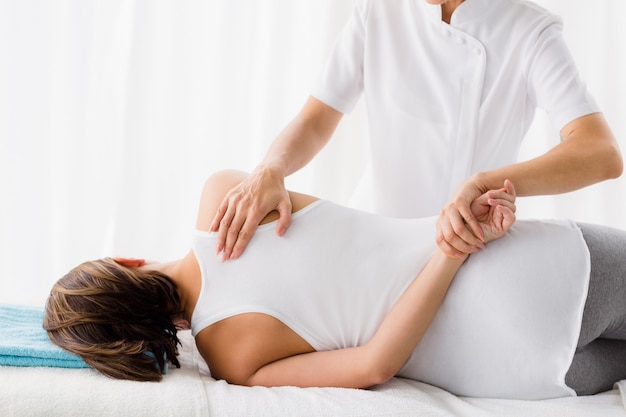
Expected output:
(118, 319)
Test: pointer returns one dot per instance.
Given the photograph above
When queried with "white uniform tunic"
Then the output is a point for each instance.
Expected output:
(508, 327)
(446, 101)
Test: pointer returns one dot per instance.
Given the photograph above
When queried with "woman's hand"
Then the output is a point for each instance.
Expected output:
(458, 227)
(245, 205)
(495, 211)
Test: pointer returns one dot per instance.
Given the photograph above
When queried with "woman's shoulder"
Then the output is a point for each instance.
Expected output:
(221, 182)
(298, 202)
(216, 186)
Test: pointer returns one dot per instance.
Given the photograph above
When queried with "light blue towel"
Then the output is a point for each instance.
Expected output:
(24, 342)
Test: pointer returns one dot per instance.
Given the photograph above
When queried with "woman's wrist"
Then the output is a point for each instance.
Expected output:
(456, 261)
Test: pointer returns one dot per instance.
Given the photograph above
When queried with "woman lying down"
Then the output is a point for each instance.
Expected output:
(351, 299)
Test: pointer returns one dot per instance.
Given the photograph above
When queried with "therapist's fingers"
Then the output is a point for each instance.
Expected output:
(223, 226)
(284, 219)
(235, 212)
(454, 236)
(470, 223)
(219, 215)
(455, 247)
(449, 250)
(242, 228)
(235, 233)
(221, 223)
(237, 241)
(242, 238)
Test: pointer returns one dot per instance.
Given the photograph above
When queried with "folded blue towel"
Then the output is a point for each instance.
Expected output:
(24, 342)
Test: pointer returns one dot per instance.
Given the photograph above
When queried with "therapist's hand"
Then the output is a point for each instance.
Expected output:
(458, 229)
(495, 211)
(245, 205)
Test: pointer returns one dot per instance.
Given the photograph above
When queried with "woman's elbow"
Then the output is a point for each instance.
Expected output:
(380, 376)
(379, 369)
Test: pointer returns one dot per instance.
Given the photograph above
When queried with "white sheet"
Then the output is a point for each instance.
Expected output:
(62, 392)
(52, 392)
(397, 398)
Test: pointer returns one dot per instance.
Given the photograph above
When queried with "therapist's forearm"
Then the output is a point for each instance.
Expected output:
(588, 154)
(302, 138)
(292, 149)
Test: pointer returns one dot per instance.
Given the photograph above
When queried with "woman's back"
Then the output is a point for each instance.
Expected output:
(332, 278)
(507, 328)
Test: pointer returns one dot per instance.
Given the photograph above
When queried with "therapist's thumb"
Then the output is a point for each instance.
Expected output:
(284, 219)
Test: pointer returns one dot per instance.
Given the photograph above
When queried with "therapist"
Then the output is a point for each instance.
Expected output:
(451, 88)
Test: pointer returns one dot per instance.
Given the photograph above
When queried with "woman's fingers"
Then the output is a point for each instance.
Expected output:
(509, 187)
(504, 196)
(508, 218)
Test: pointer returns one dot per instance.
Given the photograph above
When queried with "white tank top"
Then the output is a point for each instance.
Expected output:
(507, 328)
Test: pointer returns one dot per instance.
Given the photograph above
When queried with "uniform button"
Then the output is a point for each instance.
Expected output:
(460, 41)
(477, 51)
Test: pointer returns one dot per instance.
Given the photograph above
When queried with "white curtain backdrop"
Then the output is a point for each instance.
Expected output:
(113, 112)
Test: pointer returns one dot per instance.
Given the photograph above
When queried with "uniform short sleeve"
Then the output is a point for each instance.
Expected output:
(341, 81)
(554, 81)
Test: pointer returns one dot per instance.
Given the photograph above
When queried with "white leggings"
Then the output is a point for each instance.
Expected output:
(600, 358)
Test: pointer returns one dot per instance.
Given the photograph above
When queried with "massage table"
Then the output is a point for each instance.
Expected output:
(190, 391)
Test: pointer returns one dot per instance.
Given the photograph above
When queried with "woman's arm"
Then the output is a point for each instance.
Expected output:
(399, 333)
(383, 356)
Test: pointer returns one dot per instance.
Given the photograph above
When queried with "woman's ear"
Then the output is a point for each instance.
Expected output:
(130, 262)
